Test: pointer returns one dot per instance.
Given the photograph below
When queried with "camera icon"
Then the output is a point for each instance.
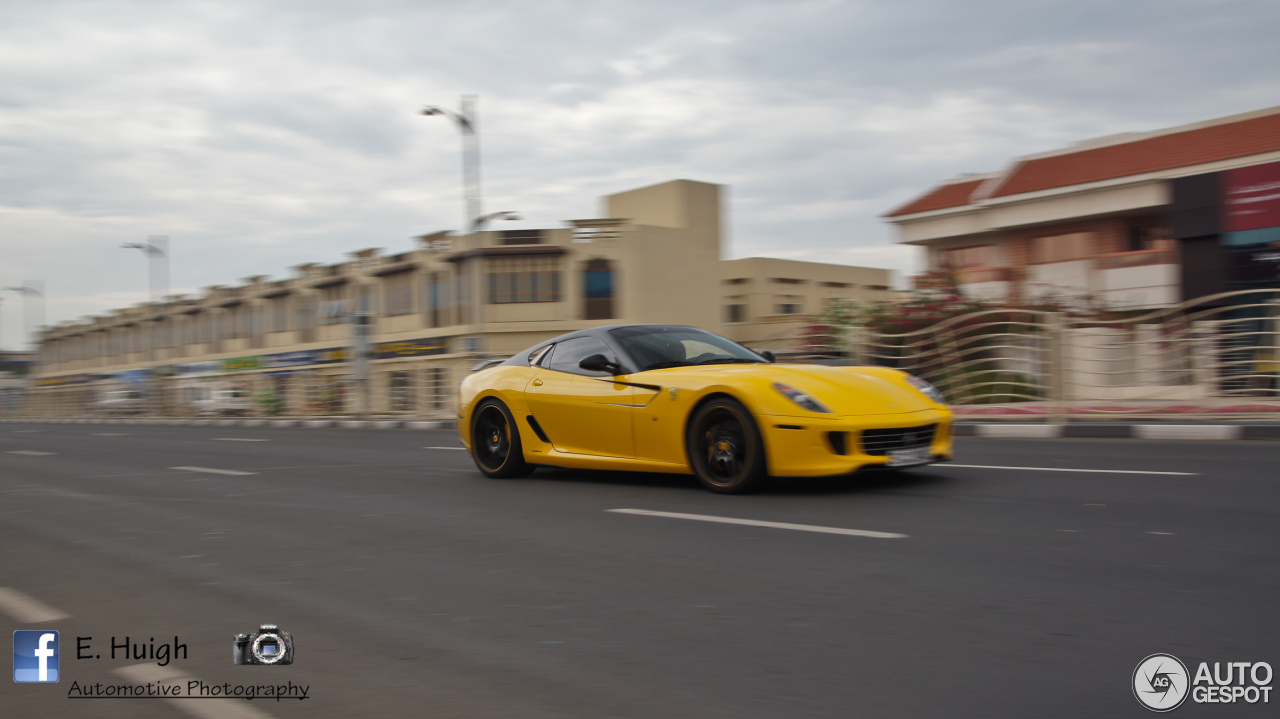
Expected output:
(268, 645)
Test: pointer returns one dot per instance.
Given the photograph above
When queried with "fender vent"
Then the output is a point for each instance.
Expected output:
(537, 429)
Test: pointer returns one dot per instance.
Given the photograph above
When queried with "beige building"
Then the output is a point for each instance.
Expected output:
(433, 312)
(765, 298)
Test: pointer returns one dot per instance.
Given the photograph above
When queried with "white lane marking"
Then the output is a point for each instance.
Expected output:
(25, 431)
(1167, 534)
(759, 523)
(460, 449)
(1064, 469)
(108, 434)
(30, 452)
(238, 439)
(218, 708)
(210, 470)
(28, 610)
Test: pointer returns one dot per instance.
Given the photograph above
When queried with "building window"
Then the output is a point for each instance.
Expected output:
(598, 290)
(401, 391)
(398, 293)
(521, 237)
(1146, 238)
(333, 305)
(306, 316)
(438, 387)
(960, 258)
(523, 279)
(836, 284)
(1062, 248)
(735, 313)
(280, 314)
(436, 301)
(789, 306)
(462, 283)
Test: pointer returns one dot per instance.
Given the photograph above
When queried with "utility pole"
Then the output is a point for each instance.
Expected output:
(361, 324)
(156, 248)
(28, 289)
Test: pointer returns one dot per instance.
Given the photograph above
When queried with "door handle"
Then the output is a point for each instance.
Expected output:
(537, 383)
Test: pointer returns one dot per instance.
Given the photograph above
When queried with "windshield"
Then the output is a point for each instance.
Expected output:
(658, 347)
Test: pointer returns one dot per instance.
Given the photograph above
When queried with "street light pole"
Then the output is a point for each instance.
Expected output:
(28, 288)
(156, 248)
(467, 123)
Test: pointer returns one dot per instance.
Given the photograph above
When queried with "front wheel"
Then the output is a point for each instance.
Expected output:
(495, 442)
(725, 449)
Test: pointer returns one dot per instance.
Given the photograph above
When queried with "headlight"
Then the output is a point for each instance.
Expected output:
(800, 398)
(926, 389)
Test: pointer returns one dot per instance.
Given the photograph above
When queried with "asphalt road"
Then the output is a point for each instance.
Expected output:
(414, 586)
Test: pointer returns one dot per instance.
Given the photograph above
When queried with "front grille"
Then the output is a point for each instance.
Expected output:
(880, 442)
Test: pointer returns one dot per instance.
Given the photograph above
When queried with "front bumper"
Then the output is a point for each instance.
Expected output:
(824, 446)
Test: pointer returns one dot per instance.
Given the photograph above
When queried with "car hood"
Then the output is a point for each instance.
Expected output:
(845, 390)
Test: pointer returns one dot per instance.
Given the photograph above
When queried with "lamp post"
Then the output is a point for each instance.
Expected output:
(156, 248)
(478, 223)
(467, 123)
(26, 289)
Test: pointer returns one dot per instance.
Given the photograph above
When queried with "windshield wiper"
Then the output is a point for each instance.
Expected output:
(663, 365)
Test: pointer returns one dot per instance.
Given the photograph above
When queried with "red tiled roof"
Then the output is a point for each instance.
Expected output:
(953, 195)
(1165, 152)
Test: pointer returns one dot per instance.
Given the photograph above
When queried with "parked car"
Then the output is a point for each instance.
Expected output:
(223, 402)
(121, 401)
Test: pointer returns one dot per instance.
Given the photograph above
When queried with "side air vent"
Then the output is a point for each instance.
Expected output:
(537, 429)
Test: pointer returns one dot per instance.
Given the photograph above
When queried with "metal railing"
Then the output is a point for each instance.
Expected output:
(1216, 356)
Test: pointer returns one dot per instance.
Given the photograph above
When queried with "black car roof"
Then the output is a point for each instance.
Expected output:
(601, 333)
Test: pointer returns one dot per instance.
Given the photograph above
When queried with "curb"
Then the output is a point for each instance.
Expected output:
(259, 422)
(1175, 432)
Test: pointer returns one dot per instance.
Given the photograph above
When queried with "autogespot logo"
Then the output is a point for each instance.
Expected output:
(1160, 682)
(35, 656)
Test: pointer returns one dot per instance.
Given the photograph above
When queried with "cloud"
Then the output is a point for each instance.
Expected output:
(262, 135)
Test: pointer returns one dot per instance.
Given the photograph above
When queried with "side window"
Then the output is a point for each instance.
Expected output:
(539, 356)
(569, 353)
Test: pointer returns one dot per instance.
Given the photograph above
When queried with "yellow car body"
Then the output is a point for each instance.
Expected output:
(639, 420)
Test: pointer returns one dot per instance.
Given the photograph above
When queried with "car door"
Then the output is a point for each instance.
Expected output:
(582, 412)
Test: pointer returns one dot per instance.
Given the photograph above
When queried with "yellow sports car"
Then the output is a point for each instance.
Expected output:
(664, 398)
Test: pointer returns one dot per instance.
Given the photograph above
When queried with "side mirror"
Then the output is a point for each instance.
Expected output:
(599, 363)
(768, 355)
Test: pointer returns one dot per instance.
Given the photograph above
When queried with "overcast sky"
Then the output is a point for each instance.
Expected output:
(260, 135)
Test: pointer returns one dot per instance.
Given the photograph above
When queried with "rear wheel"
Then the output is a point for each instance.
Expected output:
(495, 442)
(725, 449)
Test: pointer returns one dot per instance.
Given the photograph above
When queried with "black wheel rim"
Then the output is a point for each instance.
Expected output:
(492, 438)
(722, 447)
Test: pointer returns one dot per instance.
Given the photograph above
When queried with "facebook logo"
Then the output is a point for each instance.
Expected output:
(35, 656)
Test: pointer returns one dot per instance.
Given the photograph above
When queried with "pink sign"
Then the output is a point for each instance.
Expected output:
(1251, 198)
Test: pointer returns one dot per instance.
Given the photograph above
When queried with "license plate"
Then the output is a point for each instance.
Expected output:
(908, 457)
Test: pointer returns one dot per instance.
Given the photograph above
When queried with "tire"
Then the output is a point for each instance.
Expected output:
(725, 449)
(495, 442)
